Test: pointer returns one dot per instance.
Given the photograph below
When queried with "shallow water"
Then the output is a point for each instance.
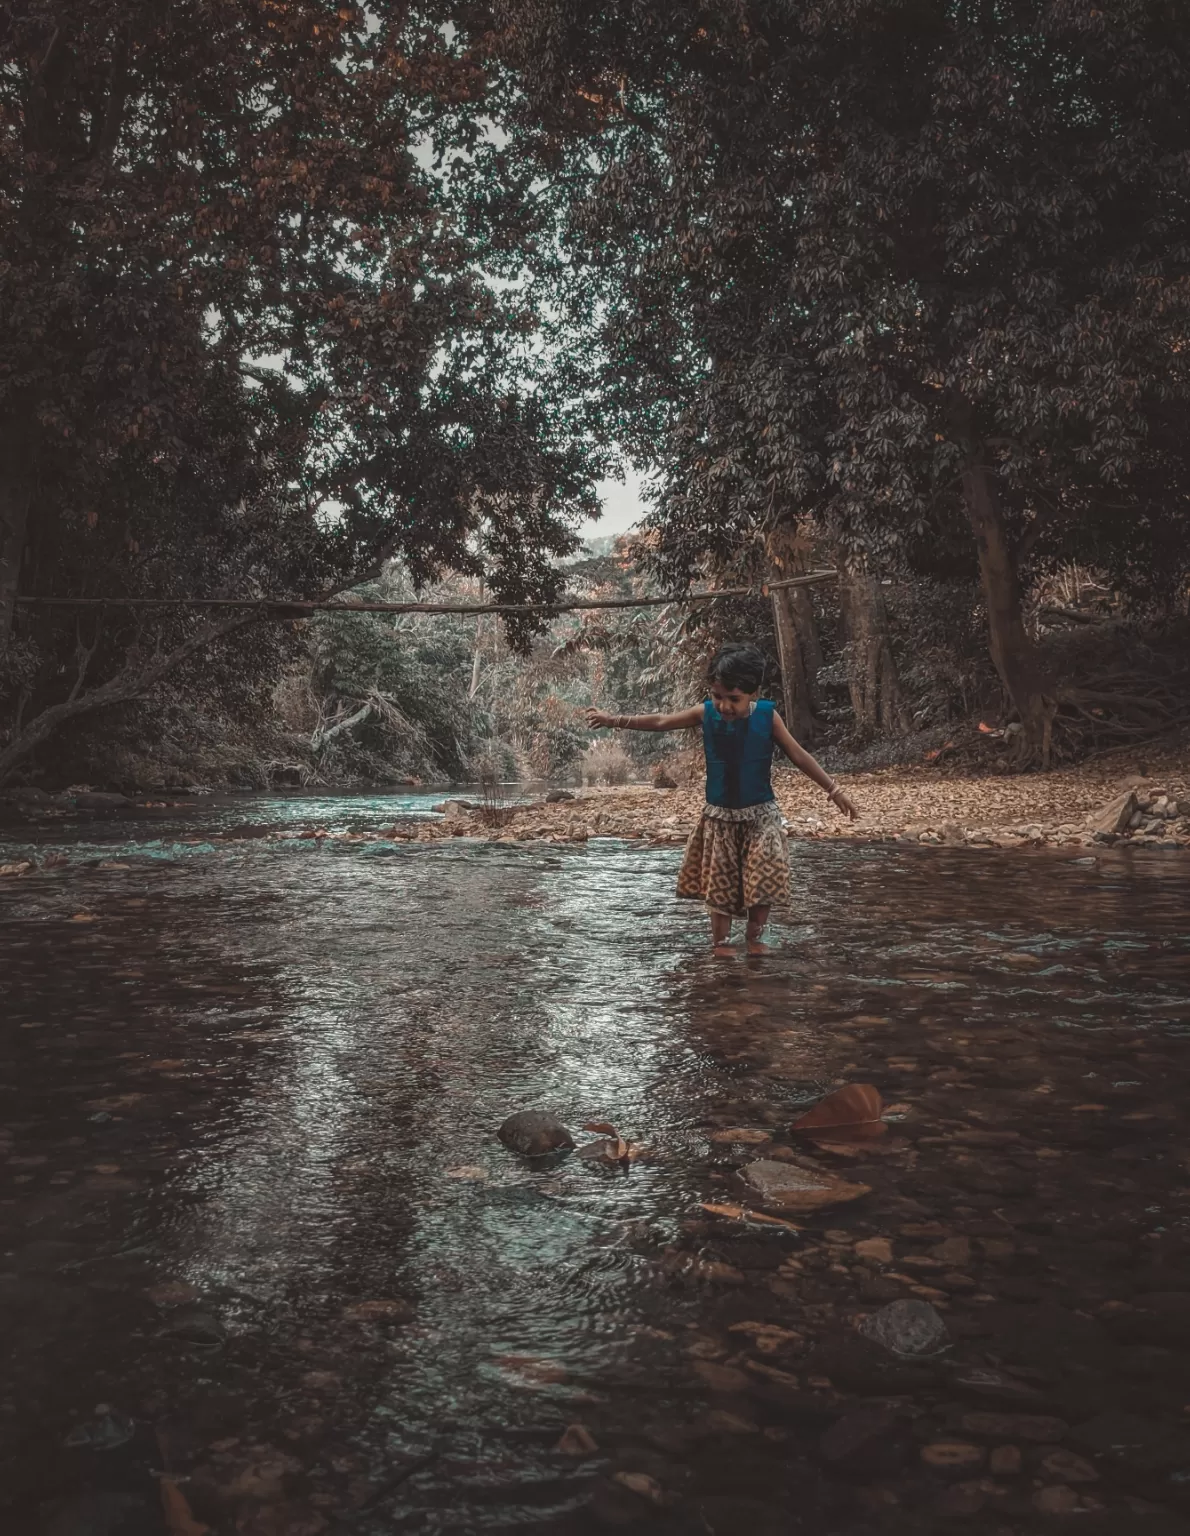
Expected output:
(249, 1089)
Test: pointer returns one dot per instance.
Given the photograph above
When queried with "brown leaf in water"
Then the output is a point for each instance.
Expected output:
(742, 1213)
(600, 1128)
(179, 1517)
(850, 1114)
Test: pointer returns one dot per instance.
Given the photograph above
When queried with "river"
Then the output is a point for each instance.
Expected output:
(260, 1236)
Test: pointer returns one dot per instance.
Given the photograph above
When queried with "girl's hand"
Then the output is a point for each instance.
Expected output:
(846, 804)
(596, 718)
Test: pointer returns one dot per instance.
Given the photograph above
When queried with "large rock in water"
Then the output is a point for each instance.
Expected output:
(96, 800)
(533, 1133)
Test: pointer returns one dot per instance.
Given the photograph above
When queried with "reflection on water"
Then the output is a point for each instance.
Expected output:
(256, 1203)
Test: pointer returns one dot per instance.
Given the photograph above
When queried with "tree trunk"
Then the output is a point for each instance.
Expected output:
(16, 492)
(873, 680)
(799, 650)
(1013, 651)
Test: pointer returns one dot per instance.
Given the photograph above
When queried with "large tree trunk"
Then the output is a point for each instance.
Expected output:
(16, 492)
(1013, 651)
(872, 677)
(799, 650)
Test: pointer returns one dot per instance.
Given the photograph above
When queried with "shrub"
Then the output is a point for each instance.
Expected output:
(605, 762)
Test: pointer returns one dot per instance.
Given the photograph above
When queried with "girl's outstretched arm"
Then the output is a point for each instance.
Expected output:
(800, 758)
(682, 721)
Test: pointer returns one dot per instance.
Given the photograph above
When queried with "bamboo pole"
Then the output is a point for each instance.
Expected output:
(297, 608)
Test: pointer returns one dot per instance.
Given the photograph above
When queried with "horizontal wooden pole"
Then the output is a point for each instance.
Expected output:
(296, 608)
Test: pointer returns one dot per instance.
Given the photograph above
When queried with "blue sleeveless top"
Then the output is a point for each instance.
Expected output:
(739, 756)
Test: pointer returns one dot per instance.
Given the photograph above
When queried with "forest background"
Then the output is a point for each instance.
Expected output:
(302, 300)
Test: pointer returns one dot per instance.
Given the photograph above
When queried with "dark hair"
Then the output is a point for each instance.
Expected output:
(738, 666)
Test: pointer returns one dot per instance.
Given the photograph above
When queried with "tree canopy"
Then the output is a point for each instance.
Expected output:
(246, 343)
(914, 268)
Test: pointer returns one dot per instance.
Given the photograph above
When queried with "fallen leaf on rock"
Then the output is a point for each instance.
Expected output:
(179, 1517)
(20, 868)
(642, 1485)
(849, 1114)
(577, 1439)
(742, 1213)
(83, 917)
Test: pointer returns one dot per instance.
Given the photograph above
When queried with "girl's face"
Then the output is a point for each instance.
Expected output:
(732, 703)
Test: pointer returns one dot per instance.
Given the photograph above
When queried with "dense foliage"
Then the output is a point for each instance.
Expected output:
(245, 345)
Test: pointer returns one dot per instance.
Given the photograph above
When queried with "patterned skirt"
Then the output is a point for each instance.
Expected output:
(736, 859)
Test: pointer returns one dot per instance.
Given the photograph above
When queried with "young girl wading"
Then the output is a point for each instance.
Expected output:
(736, 860)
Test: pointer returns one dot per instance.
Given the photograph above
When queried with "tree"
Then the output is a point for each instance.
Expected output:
(894, 264)
(244, 344)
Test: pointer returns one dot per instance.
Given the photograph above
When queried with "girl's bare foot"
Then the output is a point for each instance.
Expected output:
(724, 949)
(758, 947)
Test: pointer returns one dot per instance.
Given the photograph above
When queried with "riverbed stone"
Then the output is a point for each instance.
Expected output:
(909, 1327)
(797, 1185)
(535, 1133)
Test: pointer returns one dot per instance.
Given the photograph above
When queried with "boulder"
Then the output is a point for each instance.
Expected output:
(534, 1133)
(663, 780)
(95, 800)
(1116, 815)
(557, 796)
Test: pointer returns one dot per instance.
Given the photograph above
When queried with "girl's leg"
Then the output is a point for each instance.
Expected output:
(721, 933)
(757, 919)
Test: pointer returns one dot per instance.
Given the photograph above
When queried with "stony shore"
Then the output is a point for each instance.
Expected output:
(1102, 802)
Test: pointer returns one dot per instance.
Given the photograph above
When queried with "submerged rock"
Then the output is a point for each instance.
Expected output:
(907, 1327)
(798, 1186)
(95, 801)
(534, 1133)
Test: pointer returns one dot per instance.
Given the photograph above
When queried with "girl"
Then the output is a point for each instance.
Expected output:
(736, 860)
